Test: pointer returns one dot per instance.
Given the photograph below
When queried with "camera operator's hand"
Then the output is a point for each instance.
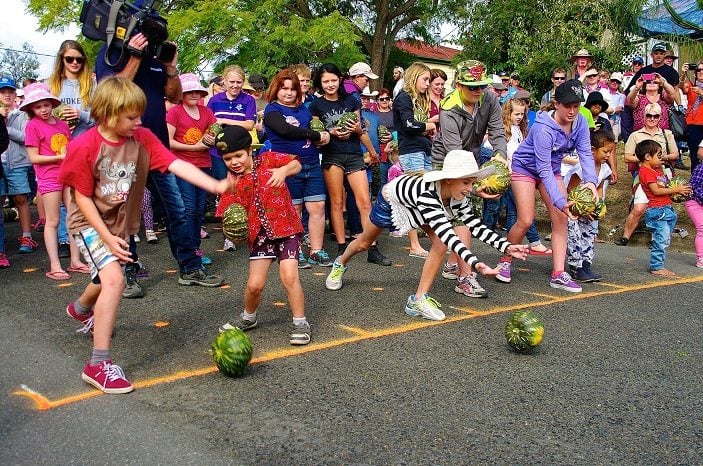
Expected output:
(137, 44)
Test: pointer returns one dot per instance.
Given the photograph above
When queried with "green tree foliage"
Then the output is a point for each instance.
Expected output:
(533, 37)
(19, 64)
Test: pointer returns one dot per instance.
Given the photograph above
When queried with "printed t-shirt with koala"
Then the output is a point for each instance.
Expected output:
(113, 174)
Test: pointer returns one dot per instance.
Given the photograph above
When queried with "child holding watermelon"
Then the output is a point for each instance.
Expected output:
(660, 217)
(583, 231)
(106, 170)
(275, 228)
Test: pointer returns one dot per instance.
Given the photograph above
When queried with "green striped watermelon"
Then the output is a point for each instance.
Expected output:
(524, 331)
(582, 197)
(231, 352)
(677, 181)
(235, 223)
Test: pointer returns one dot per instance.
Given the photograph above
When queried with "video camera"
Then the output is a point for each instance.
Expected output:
(116, 21)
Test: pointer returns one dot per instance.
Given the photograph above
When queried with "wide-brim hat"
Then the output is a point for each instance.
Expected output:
(596, 98)
(36, 92)
(247, 87)
(191, 83)
(617, 76)
(459, 164)
(472, 73)
(367, 92)
(582, 53)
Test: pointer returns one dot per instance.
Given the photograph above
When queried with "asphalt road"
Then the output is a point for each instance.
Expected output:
(617, 379)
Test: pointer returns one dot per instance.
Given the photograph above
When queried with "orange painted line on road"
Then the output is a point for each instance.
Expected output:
(42, 403)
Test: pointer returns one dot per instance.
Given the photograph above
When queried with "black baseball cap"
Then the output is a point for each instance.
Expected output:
(569, 92)
(231, 139)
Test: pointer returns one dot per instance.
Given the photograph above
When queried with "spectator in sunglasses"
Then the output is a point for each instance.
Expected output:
(558, 77)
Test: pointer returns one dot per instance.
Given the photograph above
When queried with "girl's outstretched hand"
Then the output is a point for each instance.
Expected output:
(518, 251)
(483, 269)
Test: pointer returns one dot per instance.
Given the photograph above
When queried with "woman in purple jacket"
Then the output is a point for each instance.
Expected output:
(536, 166)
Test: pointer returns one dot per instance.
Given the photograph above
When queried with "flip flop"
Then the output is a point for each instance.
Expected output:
(421, 255)
(83, 268)
(663, 273)
(535, 252)
(60, 275)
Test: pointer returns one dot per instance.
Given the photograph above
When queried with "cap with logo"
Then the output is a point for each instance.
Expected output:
(660, 47)
(569, 92)
(6, 81)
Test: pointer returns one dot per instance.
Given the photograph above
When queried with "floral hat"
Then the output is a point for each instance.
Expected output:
(472, 73)
(36, 92)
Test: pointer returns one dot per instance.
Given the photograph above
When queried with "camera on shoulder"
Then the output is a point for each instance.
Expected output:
(116, 21)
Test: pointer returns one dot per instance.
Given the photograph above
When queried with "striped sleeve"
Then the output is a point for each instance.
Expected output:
(478, 229)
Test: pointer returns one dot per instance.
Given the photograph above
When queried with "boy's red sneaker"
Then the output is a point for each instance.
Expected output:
(107, 377)
(85, 319)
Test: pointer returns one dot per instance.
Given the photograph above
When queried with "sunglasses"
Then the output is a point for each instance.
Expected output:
(559, 78)
(698, 70)
(70, 60)
(652, 116)
(384, 99)
(477, 88)
(591, 75)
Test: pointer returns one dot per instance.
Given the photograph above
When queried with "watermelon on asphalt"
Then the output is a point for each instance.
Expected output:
(235, 223)
(524, 331)
(231, 352)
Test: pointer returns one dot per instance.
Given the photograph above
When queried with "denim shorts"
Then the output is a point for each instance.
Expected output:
(308, 185)
(415, 162)
(381, 213)
(14, 181)
(94, 251)
(350, 163)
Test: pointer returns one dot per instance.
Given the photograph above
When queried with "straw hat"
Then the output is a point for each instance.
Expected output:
(583, 53)
(36, 92)
(459, 164)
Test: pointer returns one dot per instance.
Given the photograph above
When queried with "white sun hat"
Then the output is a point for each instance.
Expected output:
(459, 164)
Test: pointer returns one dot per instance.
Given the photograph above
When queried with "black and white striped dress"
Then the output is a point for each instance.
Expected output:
(415, 202)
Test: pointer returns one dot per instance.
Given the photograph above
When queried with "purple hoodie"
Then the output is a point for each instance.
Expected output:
(540, 154)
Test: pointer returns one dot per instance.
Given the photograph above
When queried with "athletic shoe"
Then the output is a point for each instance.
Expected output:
(38, 226)
(132, 287)
(450, 271)
(64, 250)
(241, 323)
(587, 275)
(85, 319)
(302, 261)
(426, 307)
(699, 264)
(470, 287)
(107, 377)
(27, 244)
(137, 239)
(622, 241)
(204, 234)
(4, 261)
(300, 335)
(203, 258)
(320, 258)
(201, 278)
(229, 246)
(306, 240)
(334, 279)
(565, 282)
(151, 237)
(375, 257)
(504, 272)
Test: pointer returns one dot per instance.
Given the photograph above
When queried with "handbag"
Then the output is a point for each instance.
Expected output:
(677, 121)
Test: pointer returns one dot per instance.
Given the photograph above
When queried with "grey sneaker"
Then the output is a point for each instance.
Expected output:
(302, 261)
(241, 323)
(201, 278)
(320, 258)
(450, 271)
(301, 334)
(132, 288)
(470, 287)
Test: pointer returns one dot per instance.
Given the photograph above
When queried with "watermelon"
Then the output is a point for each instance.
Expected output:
(317, 125)
(57, 114)
(231, 352)
(582, 197)
(346, 118)
(498, 182)
(524, 331)
(383, 132)
(600, 211)
(677, 181)
(392, 146)
(420, 115)
(235, 223)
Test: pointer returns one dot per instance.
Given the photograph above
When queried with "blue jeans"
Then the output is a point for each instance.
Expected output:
(194, 205)
(383, 169)
(661, 222)
(415, 162)
(63, 230)
(180, 238)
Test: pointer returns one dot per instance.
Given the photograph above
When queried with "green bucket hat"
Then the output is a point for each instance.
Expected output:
(472, 73)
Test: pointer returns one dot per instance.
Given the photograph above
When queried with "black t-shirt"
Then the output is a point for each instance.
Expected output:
(329, 112)
(669, 73)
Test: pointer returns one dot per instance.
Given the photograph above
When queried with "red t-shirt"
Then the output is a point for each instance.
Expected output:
(647, 176)
(113, 174)
(190, 131)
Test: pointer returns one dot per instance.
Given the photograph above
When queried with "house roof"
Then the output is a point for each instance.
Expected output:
(429, 52)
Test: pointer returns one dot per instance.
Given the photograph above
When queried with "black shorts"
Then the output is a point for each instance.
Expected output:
(350, 163)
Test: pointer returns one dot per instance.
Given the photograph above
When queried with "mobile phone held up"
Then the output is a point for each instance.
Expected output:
(648, 77)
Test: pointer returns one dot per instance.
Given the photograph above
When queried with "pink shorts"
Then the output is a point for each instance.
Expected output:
(48, 186)
(530, 179)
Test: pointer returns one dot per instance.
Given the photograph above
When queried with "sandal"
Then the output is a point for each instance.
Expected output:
(663, 273)
(57, 275)
(83, 268)
(421, 254)
(540, 252)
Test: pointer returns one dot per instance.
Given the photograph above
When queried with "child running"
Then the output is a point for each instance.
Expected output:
(660, 217)
(583, 231)
(46, 138)
(275, 228)
(431, 202)
(694, 207)
(536, 166)
(106, 169)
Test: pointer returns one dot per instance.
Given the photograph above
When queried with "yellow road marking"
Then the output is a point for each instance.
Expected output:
(41, 403)
(355, 330)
